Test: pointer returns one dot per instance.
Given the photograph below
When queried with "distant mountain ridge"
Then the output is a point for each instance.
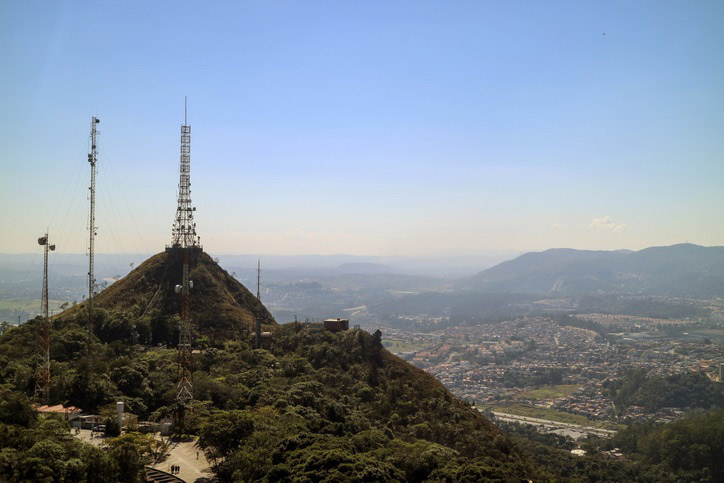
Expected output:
(676, 270)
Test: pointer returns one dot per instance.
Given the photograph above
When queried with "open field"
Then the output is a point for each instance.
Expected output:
(709, 332)
(549, 392)
(25, 308)
(554, 415)
(397, 347)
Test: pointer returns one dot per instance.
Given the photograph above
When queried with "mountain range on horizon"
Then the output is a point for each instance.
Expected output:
(677, 270)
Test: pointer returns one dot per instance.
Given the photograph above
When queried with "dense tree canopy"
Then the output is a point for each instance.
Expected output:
(40, 449)
(312, 405)
(686, 390)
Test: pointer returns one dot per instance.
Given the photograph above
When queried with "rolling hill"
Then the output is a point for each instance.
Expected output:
(677, 270)
(311, 406)
(221, 307)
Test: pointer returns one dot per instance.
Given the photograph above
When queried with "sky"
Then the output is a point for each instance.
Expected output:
(365, 127)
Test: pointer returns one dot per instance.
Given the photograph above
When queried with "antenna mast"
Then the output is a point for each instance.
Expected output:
(184, 228)
(186, 241)
(92, 159)
(42, 381)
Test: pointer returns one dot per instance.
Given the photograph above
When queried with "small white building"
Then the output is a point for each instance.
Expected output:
(88, 421)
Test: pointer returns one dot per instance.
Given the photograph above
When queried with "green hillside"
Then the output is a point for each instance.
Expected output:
(221, 307)
(312, 406)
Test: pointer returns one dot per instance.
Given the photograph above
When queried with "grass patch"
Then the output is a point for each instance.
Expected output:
(555, 415)
(25, 308)
(549, 392)
(709, 332)
(397, 347)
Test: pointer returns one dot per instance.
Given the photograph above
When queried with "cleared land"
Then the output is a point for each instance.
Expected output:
(24, 308)
(553, 415)
(549, 392)
(397, 347)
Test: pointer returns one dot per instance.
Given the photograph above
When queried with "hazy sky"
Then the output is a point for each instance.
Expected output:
(366, 127)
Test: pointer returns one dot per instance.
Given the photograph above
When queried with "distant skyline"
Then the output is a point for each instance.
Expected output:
(366, 128)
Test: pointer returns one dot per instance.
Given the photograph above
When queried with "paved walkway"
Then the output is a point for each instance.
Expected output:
(184, 454)
(85, 436)
(180, 452)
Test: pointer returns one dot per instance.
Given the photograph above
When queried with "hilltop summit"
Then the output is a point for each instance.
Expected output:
(221, 307)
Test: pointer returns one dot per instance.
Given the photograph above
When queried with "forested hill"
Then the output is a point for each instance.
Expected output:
(677, 270)
(221, 307)
(313, 406)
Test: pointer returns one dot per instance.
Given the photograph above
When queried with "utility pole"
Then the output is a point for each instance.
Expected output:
(92, 159)
(42, 380)
(257, 320)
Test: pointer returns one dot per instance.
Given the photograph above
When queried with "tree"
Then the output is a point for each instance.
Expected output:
(223, 433)
(130, 454)
(16, 409)
(377, 348)
(112, 427)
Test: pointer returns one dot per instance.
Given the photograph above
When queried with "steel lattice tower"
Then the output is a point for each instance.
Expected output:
(92, 159)
(42, 380)
(184, 393)
(184, 228)
(185, 240)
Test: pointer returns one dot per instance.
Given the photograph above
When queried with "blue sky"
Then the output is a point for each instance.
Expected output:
(381, 128)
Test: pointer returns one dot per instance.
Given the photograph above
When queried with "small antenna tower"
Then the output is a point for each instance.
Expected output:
(185, 240)
(42, 381)
(92, 159)
(257, 320)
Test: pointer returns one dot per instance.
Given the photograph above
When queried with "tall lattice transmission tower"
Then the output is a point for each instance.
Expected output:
(184, 228)
(92, 159)
(42, 379)
(188, 243)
